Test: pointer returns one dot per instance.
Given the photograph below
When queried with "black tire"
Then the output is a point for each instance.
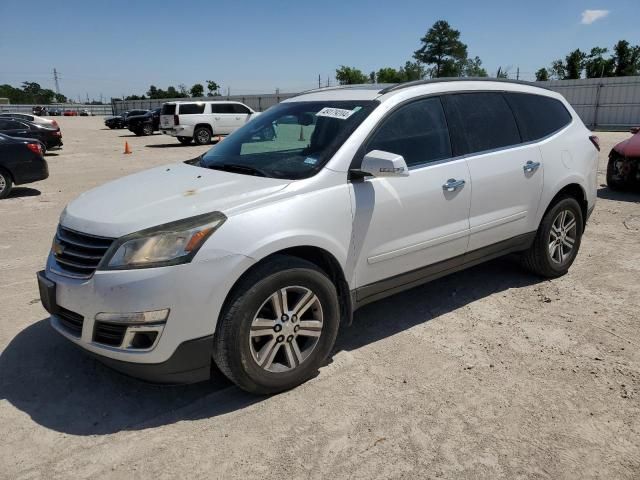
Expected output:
(202, 136)
(185, 140)
(538, 257)
(612, 183)
(112, 127)
(147, 129)
(6, 184)
(138, 132)
(232, 350)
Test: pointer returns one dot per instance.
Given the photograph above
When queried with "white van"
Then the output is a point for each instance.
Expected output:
(200, 121)
(251, 255)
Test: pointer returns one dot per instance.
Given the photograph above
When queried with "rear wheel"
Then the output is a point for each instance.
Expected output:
(614, 174)
(185, 140)
(202, 136)
(278, 327)
(557, 240)
(5, 184)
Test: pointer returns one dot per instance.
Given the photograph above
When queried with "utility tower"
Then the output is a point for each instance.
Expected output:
(55, 80)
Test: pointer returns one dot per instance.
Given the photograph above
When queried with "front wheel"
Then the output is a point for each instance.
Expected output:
(278, 327)
(557, 240)
(147, 129)
(5, 184)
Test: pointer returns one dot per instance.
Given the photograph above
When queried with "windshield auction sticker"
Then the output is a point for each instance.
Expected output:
(339, 113)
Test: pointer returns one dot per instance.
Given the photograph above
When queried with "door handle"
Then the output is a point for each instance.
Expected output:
(452, 185)
(531, 166)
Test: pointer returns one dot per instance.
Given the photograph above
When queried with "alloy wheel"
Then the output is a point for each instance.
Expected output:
(286, 329)
(562, 236)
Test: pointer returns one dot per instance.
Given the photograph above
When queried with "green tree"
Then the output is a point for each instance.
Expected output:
(542, 75)
(413, 71)
(574, 64)
(372, 77)
(558, 69)
(442, 48)
(197, 90)
(182, 89)
(596, 65)
(350, 76)
(472, 67)
(172, 92)
(627, 59)
(212, 88)
(389, 75)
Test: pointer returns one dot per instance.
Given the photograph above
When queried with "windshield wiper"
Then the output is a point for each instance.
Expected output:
(237, 168)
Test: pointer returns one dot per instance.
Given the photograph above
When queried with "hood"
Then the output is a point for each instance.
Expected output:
(161, 195)
(629, 147)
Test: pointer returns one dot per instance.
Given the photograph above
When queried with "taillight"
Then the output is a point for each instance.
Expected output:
(54, 123)
(596, 141)
(35, 148)
(176, 120)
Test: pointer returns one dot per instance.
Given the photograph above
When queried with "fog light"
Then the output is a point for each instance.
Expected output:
(155, 316)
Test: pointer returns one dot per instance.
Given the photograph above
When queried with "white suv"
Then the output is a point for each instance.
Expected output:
(200, 121)
(252, 255)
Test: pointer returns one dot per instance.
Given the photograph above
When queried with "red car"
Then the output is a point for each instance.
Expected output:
(70, 113)
(623, 169)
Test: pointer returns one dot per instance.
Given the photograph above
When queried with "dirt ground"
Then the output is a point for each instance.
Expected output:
(488, 373)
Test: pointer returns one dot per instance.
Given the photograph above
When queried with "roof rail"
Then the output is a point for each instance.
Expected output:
(366, 86)
(400, 86)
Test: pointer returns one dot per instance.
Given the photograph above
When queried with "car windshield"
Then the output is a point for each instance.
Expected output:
(291, 140)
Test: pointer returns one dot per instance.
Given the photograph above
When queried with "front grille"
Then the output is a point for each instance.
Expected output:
(71, 321)
(109, 333)
(79, 254)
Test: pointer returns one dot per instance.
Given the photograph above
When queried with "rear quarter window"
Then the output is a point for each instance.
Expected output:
(191, 108)
(538, 116)
(479, 122)
(169, 109)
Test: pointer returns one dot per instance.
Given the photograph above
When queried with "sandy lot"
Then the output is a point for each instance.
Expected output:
(488, 373)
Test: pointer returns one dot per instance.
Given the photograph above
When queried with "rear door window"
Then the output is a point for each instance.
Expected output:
(222, 108)
(417, 131)
(191, 108)
(480, 121)
(537, 116)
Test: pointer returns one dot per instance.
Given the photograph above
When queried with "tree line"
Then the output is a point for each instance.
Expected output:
(623, 61)
(196, 91)
(30, 93)
(443, 54)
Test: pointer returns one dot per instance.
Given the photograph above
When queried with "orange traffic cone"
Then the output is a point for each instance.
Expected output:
(126, 147)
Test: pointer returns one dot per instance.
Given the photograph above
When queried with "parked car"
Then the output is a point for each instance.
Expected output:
(145, 124)
(623, 169)
(21, 162)
(200, 121)
(120, 121)
(70, 113)
(253, 253)
(39, 110)
(85, 113)
(54, 112)
(31, 118)
(50, 137)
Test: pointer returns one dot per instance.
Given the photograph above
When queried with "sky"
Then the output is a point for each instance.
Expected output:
(117, 47)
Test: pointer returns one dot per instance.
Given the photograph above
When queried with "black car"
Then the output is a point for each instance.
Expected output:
(120, 121)
(145, 124)
(21, 161)
(49, 136)
(54, 112)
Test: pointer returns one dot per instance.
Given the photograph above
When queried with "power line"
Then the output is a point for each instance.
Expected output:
(55, 80)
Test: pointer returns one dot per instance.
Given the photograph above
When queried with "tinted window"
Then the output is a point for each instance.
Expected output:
(168, 109)
(538, 116)
(191, 108)
(480, 122)
(417, 131)
(237, 108)
(11, 125)
(222, 108)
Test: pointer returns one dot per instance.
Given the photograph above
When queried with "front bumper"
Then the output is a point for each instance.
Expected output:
(193, 293)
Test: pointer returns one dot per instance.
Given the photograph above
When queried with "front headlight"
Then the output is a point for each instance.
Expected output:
(169, 244)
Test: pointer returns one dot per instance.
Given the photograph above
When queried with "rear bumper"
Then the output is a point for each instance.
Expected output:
(33, 172)
(178, 131)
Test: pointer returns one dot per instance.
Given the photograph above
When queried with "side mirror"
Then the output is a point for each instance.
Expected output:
(384, 164)
(635, 130)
